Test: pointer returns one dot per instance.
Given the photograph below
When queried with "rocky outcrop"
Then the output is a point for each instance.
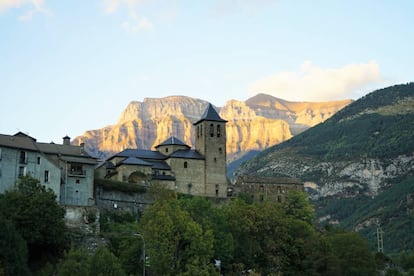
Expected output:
(366, 176)
(258, 123)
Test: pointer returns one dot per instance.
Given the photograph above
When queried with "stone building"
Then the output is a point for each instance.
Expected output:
(263, 188)
(197, 171)
(66, 169)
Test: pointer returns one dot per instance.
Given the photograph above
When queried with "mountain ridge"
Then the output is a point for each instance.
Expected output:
(252, 125)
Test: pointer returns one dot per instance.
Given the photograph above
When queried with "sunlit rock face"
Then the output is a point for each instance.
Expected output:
(255, 124)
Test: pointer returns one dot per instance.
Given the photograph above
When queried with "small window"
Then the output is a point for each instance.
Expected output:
(185, 164)
(220, 150)
(38, 160)
(217, 189)
(166, 150)
(23, 157)
(218, 131)
(77, 181)
(22, 171)
(215, 159)
(261, 198)
(211, 130)
(46, 176)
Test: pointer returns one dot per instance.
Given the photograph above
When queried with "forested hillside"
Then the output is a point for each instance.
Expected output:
(357, 166)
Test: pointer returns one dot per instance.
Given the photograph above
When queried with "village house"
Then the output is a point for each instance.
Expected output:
(197, 171)
(66, 169)
(267, 188)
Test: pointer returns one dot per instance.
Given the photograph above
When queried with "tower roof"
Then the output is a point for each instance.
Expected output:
(172, 141)
(210, 114)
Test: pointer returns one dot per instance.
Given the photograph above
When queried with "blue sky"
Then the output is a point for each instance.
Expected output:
(69, 66)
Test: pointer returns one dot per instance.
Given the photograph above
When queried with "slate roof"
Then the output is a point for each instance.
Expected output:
(65, 152)
(135, 161)
(210, 114)
(160, 165)
(18, 142)
(173, 141)
(163, 177)
(140, 153)
(189, 154)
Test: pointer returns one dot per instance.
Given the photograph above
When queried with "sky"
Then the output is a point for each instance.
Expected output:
(69, 66)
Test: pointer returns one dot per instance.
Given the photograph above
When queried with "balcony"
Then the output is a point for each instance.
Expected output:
(77, 173)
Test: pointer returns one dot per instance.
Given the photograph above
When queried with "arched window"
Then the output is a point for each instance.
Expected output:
(211, 130)
(218, 130)
(185, 164)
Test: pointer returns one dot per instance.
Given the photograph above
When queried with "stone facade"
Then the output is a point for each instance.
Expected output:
(267, 188)
(66, 169)
(174, 164)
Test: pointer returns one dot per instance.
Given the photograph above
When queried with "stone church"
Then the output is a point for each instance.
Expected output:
(197, 171)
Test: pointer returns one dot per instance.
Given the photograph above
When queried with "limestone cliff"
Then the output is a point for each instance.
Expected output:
(258, 123)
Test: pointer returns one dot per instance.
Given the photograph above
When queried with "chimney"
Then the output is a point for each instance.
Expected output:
(66, 140)
(82, 148)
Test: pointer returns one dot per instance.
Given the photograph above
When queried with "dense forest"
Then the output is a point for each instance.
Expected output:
(183, 236)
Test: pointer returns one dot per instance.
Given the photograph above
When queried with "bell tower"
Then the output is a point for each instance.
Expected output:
(210, 141)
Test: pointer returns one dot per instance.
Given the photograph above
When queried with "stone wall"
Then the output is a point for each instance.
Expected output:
(121, 201)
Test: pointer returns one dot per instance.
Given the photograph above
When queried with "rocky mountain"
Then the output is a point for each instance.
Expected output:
(256, 124)
(358, 166)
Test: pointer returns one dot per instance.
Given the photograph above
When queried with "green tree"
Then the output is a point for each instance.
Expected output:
(75, 262)
(353, 253)
(211, 218)
(176, 244)
(37, 217)
(298, 206)
(105, 263)
(13, 250)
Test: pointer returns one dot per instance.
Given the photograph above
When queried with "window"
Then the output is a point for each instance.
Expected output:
(217, 189)
(38, 160)
(218, 130)
(215, 159)
(185, 164)
(22, 171)
(220, 150)
(23, 157)
(46, 176)
(166, 150)
(211, 130)
(77, 181)
(261, 197)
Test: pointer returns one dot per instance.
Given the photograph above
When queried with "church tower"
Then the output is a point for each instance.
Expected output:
(210, 141)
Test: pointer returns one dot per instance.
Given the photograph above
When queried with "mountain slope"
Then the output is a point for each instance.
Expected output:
(256, 124)
(354, 159)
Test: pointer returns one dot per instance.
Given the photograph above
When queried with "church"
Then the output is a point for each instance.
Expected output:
(196, 171)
